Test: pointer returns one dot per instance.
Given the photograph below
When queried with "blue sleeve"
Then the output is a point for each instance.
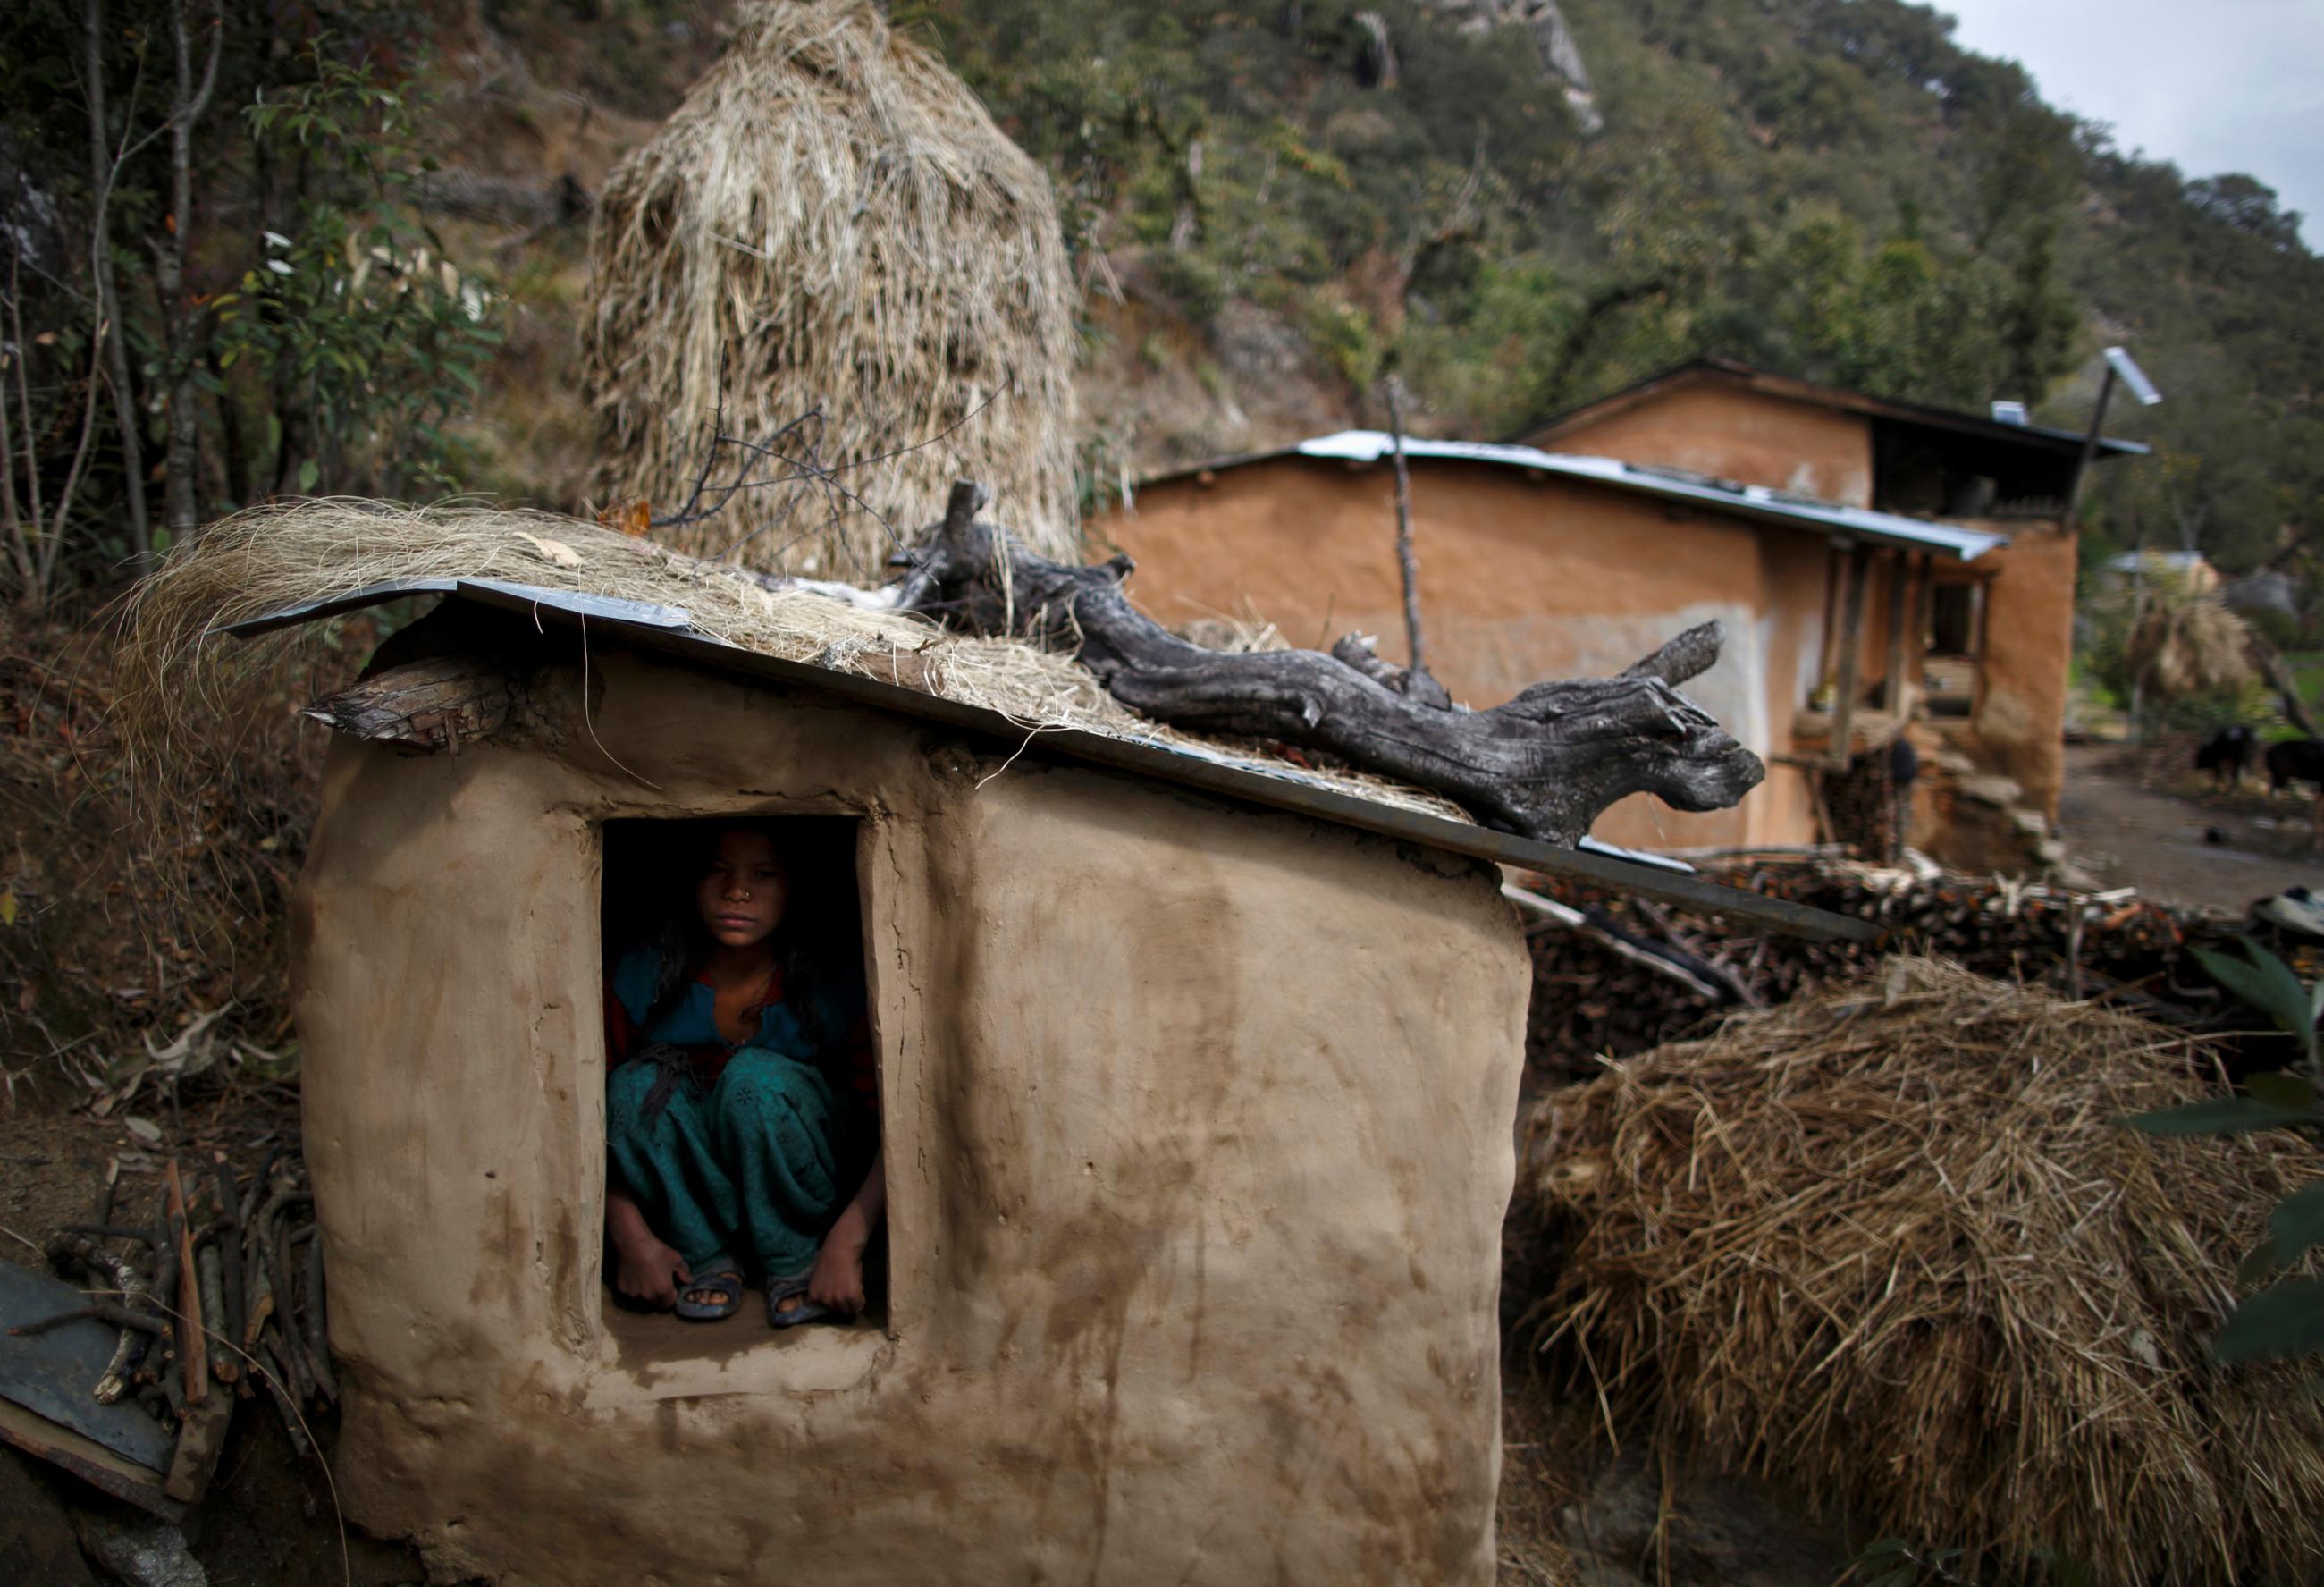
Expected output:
(635, 979)
(832, 1006)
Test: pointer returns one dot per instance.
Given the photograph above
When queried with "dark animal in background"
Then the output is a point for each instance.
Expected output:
(2295, 759)
(2228, 755)
(2299, 759)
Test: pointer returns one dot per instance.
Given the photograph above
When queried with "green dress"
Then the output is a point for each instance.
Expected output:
(739, 1154)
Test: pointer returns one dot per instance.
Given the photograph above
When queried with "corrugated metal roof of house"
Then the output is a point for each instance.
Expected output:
(1671, 484)
(1923, 415)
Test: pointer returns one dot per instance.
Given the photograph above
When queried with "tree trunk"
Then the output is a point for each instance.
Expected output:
(101, 173)
(1544, 765)
(183, 455)
(2287, 688)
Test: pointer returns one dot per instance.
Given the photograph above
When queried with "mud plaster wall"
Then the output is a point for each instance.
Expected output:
(1198, 1125)
(2029, 645)
(1728, 432)
(1522, 577)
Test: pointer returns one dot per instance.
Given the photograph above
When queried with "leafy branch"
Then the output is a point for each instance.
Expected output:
(2284, 1320)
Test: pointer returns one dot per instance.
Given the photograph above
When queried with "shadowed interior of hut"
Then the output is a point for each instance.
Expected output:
(743, 1108)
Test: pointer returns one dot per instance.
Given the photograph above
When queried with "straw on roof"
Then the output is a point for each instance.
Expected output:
(831, 221)
(1892, 1246)
(174, 671)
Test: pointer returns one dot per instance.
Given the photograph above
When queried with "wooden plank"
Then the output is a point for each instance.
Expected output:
(84, 1457)
(1892, 689)
(1852, 647)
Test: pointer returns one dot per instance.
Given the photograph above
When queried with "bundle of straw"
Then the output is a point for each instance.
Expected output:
(2189, 645)
(832, 224)
(1892, 1246)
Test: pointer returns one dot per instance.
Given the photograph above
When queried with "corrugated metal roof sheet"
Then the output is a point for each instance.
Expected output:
(1750, 501)
(666, 630)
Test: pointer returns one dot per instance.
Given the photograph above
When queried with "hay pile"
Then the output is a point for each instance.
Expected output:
(176, 677)
(2190, 646)
(832, 222)
(1888, 1245)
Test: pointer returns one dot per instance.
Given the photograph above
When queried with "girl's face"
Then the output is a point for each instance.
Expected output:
(741, 895)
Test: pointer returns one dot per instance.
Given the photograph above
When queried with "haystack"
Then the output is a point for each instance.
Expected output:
(832, 225)
(1891, 1246)
(2189, 645)
(176, 676)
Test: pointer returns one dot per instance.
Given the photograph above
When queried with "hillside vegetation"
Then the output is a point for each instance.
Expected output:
(1829, 187)
(1516, 203)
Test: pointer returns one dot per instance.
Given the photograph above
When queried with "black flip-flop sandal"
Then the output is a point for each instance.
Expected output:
(779, 1290)
(727, 1285)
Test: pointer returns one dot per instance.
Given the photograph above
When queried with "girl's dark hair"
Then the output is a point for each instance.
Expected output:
(810, 943)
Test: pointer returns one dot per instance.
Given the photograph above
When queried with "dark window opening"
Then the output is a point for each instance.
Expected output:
(741, 1107)
(1956, 647)
(1933, 473)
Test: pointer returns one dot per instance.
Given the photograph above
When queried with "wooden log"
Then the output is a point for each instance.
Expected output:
(436, 703)
(201, 1439)
(192, 1354)
(1690, 655)
(1543, 765)
(229, 1323)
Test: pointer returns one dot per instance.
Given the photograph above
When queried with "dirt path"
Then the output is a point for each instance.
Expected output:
(2140, 819)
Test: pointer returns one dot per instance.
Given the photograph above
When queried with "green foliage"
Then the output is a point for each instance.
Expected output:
(384, 340)
(1345, 334)
(2285, 1319)
(2268, 984)
(320, 339)
(1833, 187)
(2226, 1115)
(2295, 1226)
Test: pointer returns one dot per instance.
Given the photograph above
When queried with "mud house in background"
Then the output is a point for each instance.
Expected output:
(1868, 557)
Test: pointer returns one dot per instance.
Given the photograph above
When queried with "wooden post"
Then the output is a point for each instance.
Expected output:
(1892, 689)
(1414, 667)
(1927, 626)
(2089, 449)
(193, 1351)
(1851, 646)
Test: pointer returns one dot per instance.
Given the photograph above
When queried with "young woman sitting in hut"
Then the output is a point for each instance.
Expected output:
(740, 1116)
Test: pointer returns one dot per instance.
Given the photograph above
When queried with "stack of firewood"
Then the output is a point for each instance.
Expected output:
(1593, 998)
(218, 1295)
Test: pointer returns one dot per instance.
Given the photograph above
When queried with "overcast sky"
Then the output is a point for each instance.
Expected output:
(2228, 85)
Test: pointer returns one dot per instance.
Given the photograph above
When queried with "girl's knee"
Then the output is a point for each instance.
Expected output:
(625, 1093)
(628, 1091)
(764, 1077)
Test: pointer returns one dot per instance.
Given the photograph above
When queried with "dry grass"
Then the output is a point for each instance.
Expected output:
(1890, 1247)
(177, 677)
(831, 221)
(110, 933)
(2189, 646)
(1540, 1484)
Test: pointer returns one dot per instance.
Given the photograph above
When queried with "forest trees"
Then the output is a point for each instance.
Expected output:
(215, 282)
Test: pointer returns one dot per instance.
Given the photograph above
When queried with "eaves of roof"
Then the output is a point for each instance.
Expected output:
(1756, 502)
(2047, 437)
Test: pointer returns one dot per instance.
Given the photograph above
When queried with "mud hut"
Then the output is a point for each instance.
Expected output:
(1195, 1208)
(831, 235)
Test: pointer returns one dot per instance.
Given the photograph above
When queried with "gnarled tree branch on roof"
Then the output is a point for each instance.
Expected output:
(1543, 765)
